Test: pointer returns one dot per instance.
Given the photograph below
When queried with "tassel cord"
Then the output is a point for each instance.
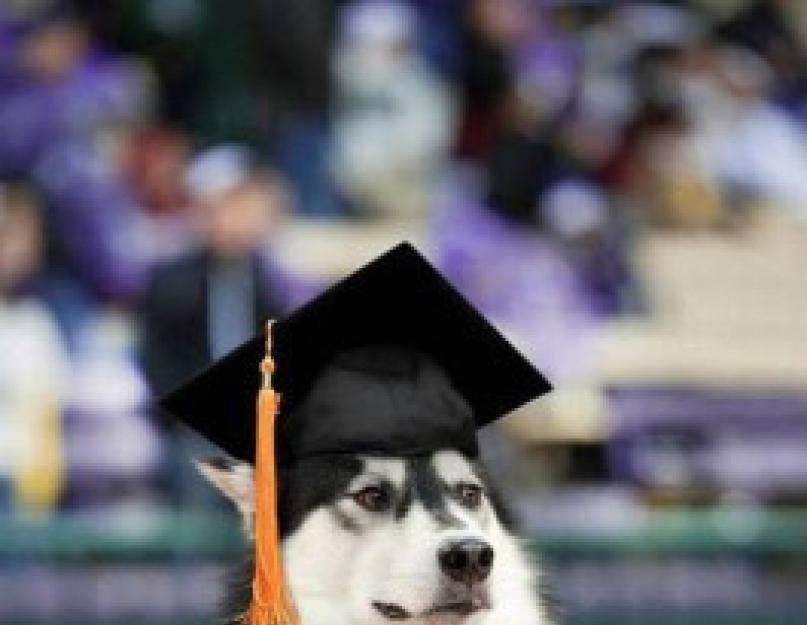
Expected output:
(271, 601)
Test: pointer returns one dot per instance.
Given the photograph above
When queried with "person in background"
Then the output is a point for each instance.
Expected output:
(208, 300)
(395, 117)
(67, 108)
(486, 78)
(774, 29)
(33, 366)
(212, 297)
(59, 86)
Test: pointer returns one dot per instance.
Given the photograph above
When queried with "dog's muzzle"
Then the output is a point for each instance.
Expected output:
(466, 564)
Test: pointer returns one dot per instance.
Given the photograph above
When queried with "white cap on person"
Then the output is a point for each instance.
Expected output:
(219, 169)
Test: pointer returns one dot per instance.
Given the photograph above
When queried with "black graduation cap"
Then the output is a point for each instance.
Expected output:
(391, 360)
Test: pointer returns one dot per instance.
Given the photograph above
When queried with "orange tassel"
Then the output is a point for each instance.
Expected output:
(271, 600)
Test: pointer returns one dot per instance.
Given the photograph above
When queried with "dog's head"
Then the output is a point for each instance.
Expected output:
(371, 540)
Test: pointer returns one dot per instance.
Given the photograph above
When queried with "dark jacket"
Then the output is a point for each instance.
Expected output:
(174, 317)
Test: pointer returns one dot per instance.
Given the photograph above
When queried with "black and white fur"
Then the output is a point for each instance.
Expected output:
(368, 540)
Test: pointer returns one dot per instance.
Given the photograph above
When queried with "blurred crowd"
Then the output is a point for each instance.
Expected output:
(151, 152)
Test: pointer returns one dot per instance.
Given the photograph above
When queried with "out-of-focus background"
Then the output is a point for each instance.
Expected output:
(620, 186)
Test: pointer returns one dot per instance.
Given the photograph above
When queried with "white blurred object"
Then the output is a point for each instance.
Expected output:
(766, 153)
(574, 208)
(112, 435)
(394, 121)
(742, 140)
(654, 23)
(33, 378)
(219, 170)
(377, 23)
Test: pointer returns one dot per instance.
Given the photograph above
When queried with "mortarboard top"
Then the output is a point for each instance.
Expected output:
(392, 359)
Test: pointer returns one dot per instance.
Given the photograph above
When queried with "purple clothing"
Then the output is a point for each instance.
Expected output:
(49, 133)
(29, 124)
(520, 280)
(732, 439)
(96, 221)
(550, 64)
(36, 115)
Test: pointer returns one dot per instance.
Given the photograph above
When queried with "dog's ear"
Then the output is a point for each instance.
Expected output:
(235, 481)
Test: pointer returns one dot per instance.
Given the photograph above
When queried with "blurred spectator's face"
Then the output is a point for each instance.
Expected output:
(498, 21)
(156, 163)
(50, 52)
(239, 221)
(20, 241)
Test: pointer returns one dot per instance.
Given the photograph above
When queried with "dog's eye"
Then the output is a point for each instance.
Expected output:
(469, 495)
(372, 498)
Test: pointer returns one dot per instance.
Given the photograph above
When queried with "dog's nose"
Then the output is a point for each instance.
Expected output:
(468, 561)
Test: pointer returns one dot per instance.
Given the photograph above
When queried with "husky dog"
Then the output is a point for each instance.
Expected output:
(371, 540)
